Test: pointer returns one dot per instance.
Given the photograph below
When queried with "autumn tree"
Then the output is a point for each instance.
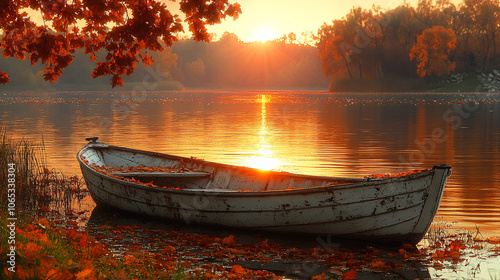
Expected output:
(125, 30)
(333, 53)
(290, 38)
(432, 51)
(353, 44)
(466, 50)
(379, 43)
(484, 16)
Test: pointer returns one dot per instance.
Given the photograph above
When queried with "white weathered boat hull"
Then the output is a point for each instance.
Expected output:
(400, 208)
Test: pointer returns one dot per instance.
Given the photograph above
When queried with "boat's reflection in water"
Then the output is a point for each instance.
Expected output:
(302, 266)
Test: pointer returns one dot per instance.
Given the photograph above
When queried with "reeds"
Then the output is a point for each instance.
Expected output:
(21, 156)
(35, 184)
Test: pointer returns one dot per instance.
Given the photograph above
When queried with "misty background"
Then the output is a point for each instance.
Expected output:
(227, 63)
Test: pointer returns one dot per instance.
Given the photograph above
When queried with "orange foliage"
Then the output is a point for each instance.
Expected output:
(142, 168)
(4, 77)
(350, 275)
(109, 170)
(238, 269)
(321, 276)
(378, 264)
(160, 252)
(432, 51)
(30, 251)
(127, 30)
(229, 241)
(84, 274)
(44, 223)
(35, 263)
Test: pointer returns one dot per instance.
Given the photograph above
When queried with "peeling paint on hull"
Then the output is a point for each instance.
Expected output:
(400, 208)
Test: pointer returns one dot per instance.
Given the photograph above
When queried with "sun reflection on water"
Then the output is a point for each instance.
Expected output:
(342, 135)
(264, 157)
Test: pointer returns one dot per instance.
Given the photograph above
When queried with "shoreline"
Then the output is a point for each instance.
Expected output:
(468, 83)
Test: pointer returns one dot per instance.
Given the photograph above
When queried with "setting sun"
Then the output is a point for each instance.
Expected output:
(262, 162)
(264, 34)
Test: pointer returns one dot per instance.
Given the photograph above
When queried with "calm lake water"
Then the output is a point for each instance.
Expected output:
(304, 132)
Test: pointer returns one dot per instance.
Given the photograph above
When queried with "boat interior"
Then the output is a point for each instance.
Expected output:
(167, 171)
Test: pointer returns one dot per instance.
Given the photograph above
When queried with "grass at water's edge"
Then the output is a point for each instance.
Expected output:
(26, 183)
(19, 164)
(468, 84)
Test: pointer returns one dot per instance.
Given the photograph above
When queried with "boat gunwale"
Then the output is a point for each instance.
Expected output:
(350, 182)
(274, 210)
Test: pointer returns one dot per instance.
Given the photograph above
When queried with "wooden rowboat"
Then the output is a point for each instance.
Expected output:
(396, 209)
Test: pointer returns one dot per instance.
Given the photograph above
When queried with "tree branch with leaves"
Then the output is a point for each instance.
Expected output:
(125, 30)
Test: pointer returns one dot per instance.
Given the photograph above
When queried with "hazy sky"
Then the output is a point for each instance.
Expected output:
(274, 18)
(270, 19)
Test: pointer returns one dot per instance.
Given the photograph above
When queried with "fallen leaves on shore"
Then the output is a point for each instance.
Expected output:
(49, 250)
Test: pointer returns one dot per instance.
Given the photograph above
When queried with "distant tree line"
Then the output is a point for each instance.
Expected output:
(429, 40)
(231, 63)
(77, 76)
(227, 63)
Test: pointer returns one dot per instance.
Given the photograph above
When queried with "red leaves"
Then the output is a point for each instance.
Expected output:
(30, 251)
(140, 168)
(34, 247)
(54, 51)
(453, 251)
(321, 276)
(147, 60)
(153, 253)
(263, 244)
(229, 241)
(433, 50)
(238, 269)
(112, 170)
(138, 26)
(350, 275)
(233, 11)
(4, 77)
(201, 13)
(117, 81)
